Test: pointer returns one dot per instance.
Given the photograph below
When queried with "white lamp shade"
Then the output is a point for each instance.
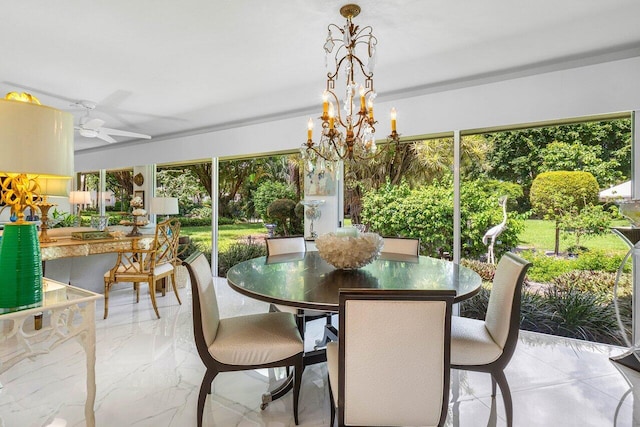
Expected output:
(80, 197)
(164, 206)
(35, 140)
(54, 186)
(107, 197)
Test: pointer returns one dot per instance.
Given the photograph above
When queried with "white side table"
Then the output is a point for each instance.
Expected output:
(68, 312)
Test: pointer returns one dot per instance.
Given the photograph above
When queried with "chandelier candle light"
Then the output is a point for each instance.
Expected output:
(348, 132)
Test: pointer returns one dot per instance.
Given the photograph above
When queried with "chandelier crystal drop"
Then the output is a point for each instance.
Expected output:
(348, 123)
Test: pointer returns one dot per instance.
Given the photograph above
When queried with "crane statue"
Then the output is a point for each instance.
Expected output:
(491, 236)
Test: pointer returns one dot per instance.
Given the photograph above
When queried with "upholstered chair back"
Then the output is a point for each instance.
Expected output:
(505, 292)
(205, 302)
(401, 246)
(404, 379)
(285, 245)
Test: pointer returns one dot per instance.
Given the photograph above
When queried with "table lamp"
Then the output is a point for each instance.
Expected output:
(37, 142)
(49, 187)
(80, 198)
(164, 206)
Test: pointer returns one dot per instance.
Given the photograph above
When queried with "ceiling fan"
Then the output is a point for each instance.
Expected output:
(92, 127)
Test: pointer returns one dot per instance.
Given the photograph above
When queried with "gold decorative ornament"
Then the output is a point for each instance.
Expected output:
(138, 180)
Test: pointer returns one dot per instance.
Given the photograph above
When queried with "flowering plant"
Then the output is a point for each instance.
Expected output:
(137, 202)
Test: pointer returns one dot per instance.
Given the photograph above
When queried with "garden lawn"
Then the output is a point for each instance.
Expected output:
(227, 234)
(540, 235)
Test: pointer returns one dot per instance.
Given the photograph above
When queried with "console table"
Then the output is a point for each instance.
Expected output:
(69, 312)
(66, 247)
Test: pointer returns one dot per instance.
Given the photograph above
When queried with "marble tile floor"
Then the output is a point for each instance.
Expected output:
(148, 374)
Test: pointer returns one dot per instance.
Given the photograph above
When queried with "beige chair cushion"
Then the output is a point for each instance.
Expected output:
(471, 342)
(158, 271)
(256, 339)
(333, 365)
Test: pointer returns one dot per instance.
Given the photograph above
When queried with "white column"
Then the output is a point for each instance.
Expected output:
(456, 207)
(214, 215)
(456, 196)
(102, 187)
(635, 191)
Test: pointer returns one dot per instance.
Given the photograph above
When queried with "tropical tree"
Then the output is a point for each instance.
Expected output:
(557, 194)
(414, 163)
(519, 156)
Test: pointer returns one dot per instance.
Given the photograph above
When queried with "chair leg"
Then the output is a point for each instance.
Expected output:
(506, 394)
(332, 402)
(152, 292)
(136, 286)
(297, 381)
(175, 287)
(107, 285)
(205, 388)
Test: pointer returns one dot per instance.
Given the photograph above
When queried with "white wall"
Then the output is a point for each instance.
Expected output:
(589, 90)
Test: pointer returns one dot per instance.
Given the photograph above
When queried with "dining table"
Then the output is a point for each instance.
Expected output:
(306, 281)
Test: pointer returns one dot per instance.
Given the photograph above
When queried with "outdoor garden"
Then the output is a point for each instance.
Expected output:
(549, 179)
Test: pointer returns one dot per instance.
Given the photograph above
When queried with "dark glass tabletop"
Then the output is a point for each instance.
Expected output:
(307, 281)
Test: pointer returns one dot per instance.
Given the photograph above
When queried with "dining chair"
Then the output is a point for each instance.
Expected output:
(239, 343)
(290, 245)
(401, 246)
(140, 265)
(487, 346)
(405, 381)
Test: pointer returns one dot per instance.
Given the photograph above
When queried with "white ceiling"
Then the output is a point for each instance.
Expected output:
(166, 67)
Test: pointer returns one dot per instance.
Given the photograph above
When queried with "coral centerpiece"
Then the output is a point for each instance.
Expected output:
(349, 251)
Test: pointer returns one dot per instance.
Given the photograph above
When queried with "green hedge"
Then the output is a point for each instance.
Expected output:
(427, 213)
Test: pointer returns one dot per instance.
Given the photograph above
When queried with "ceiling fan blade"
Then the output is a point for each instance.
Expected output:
(93, 124)
(105, 137)
(87, 133)
(124, 133)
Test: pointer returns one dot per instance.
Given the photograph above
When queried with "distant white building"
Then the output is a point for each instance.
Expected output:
(617, 192)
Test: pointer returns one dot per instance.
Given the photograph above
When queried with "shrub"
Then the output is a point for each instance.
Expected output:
(556, 194)
(194, 222)
(282, 212)
(201, 212)
(427, 213)
(599, 260)
(238, 252)
(583, 315)
(223, 220)
(546, 268)
(572, 313)
(269, 191)
(592, 281)
(484, 269)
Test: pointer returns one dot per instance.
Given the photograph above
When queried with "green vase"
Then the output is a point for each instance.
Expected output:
(20, 268)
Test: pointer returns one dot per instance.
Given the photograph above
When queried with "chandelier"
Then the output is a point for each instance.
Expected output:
(348, 124)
